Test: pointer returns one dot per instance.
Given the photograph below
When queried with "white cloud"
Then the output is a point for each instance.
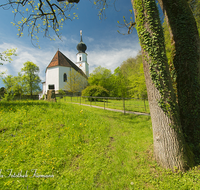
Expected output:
(111, 54)
(108, 54)
(89, 39)
(109, 59)
(37, 56)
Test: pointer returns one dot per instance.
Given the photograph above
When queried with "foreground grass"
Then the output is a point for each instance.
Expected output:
(66, 146)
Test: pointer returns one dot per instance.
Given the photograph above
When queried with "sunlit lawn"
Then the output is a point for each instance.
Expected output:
(68, 146)
(136, 105)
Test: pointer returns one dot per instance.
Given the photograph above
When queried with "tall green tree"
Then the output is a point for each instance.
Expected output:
(186, 61)
(132, 70)
(169, 42)
(137, 84)
(169, 144)
(120, 83)
(30, 77)
(18, 85)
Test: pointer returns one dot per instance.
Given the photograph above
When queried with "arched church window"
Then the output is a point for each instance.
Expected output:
(65, 77)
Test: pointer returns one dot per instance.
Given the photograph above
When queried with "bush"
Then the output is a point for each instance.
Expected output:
(8, 96)
(97, 91)
(62, 92)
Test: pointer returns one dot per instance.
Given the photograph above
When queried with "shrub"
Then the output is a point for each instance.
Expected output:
(97, 91)
(62, 92)
(8, 96)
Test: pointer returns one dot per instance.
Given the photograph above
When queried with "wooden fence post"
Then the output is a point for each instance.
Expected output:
(124, 105)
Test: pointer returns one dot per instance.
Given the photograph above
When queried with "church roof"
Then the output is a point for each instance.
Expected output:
(60, 59)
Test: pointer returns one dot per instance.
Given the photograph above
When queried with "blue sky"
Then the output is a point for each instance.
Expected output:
(105, 46)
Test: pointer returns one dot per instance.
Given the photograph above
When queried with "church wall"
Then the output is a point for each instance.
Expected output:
(84, 66)
(62, 70)
(44, 88)
(82, 63)
(74, 78)
(87, 69)
(52, 77)
(81, 57)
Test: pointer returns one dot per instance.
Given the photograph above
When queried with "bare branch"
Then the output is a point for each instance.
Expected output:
(129, 25)
(39, 16)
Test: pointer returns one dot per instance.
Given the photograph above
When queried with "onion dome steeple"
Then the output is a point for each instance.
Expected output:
(81, 47)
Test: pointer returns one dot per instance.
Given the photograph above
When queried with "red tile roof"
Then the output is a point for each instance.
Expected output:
(60, 59)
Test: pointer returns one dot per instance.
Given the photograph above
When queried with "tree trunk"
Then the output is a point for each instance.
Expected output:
(186, 60)
(169, 146)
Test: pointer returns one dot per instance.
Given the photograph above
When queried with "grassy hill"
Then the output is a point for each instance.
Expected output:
(66, 146)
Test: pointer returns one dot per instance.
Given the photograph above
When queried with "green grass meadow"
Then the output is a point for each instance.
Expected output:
(135, 105)
(46, 146)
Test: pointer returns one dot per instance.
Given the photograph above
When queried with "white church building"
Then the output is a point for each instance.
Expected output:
(60, 70)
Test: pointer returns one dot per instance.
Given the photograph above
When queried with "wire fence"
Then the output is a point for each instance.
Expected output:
(118, 103)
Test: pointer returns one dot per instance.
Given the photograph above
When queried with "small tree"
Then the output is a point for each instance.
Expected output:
(76, 82)
(9, 84)
(61, 92)
(13, 86)
(30, 77)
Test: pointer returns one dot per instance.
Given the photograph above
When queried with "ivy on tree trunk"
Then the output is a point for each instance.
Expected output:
(186, 61)
(170, 148)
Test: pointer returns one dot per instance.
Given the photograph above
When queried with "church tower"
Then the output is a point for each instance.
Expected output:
(82, 57)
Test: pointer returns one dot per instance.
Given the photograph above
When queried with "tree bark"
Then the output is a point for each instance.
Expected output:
(170, 149)
(186, 60)
(169, 146)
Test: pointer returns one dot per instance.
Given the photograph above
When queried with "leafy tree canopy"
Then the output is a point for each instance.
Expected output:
(27, 82)
(30, 77)
(132, 70)
(96, 91)
(101, 77)
(13, 86)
